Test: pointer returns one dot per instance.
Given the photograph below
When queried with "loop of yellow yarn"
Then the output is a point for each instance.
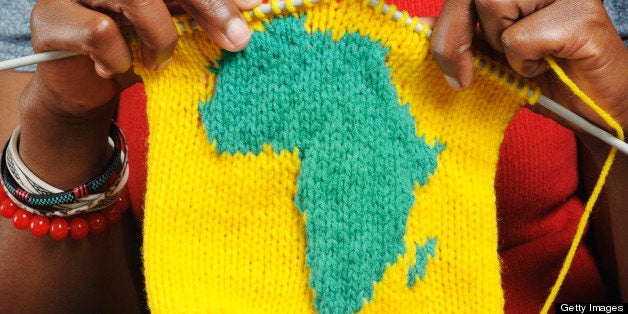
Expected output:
(275, 7)
(598, 185)
(290, 6)
(391, 12)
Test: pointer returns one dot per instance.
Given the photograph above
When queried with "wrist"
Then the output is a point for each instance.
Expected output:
(63, 148)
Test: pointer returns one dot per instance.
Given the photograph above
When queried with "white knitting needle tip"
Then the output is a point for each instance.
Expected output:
(583, 124)
(34, 59)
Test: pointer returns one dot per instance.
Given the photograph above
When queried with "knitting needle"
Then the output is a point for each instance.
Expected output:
(583, 124)
(397, 15)
(568, 115)
(36, 58)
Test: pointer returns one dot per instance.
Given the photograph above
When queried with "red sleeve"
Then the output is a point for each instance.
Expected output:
(131, 118)
(419, 8)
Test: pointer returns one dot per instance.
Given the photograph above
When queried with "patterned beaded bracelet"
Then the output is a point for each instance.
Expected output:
(46, 200)
(92, 207)
(78, 227)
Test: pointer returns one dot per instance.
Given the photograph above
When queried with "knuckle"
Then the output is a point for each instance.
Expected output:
(511, 40)
(488, 4)
(445, 52)
(621, 113)
(38, 21)
(37, 14)
(502, 9)
(506, 40)
(213, 8)
(247, 4)
(134, 4)
(529, 68)
(170, 40)
(108, 4)
(438, 49)
(165, 41)
(100, 32)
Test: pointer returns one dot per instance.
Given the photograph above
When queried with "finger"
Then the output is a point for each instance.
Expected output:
(89, 33)
(497, 15)
(153, 24)
(429, 20)
(175, 8)
(247, 4)
(451, 42)
(221, 20)
(543, 33)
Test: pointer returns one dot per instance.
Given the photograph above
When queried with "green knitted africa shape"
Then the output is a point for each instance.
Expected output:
(360, 155)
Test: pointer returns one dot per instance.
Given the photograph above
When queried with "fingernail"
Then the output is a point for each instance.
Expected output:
(238, 32)
(454, 83)
(249, 3)
(102, 72)
(163, 65)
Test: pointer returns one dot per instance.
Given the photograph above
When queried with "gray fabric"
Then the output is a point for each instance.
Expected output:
(15, 38)
(618, 11)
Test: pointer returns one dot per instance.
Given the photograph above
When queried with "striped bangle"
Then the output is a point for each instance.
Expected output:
(38, 197)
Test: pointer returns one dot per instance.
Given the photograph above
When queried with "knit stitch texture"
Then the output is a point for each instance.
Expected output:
(326, 168)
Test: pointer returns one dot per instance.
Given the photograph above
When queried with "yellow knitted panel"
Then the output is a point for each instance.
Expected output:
(222, 233)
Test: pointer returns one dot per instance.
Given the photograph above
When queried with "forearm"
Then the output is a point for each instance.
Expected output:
(42, 275)
(95, 274)
(610, 218)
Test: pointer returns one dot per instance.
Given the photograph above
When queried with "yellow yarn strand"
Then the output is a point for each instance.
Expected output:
(598, 185)
(585, 98)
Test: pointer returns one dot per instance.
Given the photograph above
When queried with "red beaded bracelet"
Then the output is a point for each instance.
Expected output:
(78, 226)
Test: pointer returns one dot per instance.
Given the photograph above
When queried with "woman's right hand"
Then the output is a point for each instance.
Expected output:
(90, 28)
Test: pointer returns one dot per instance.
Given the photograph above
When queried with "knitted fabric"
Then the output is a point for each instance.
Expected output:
(327, 167)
